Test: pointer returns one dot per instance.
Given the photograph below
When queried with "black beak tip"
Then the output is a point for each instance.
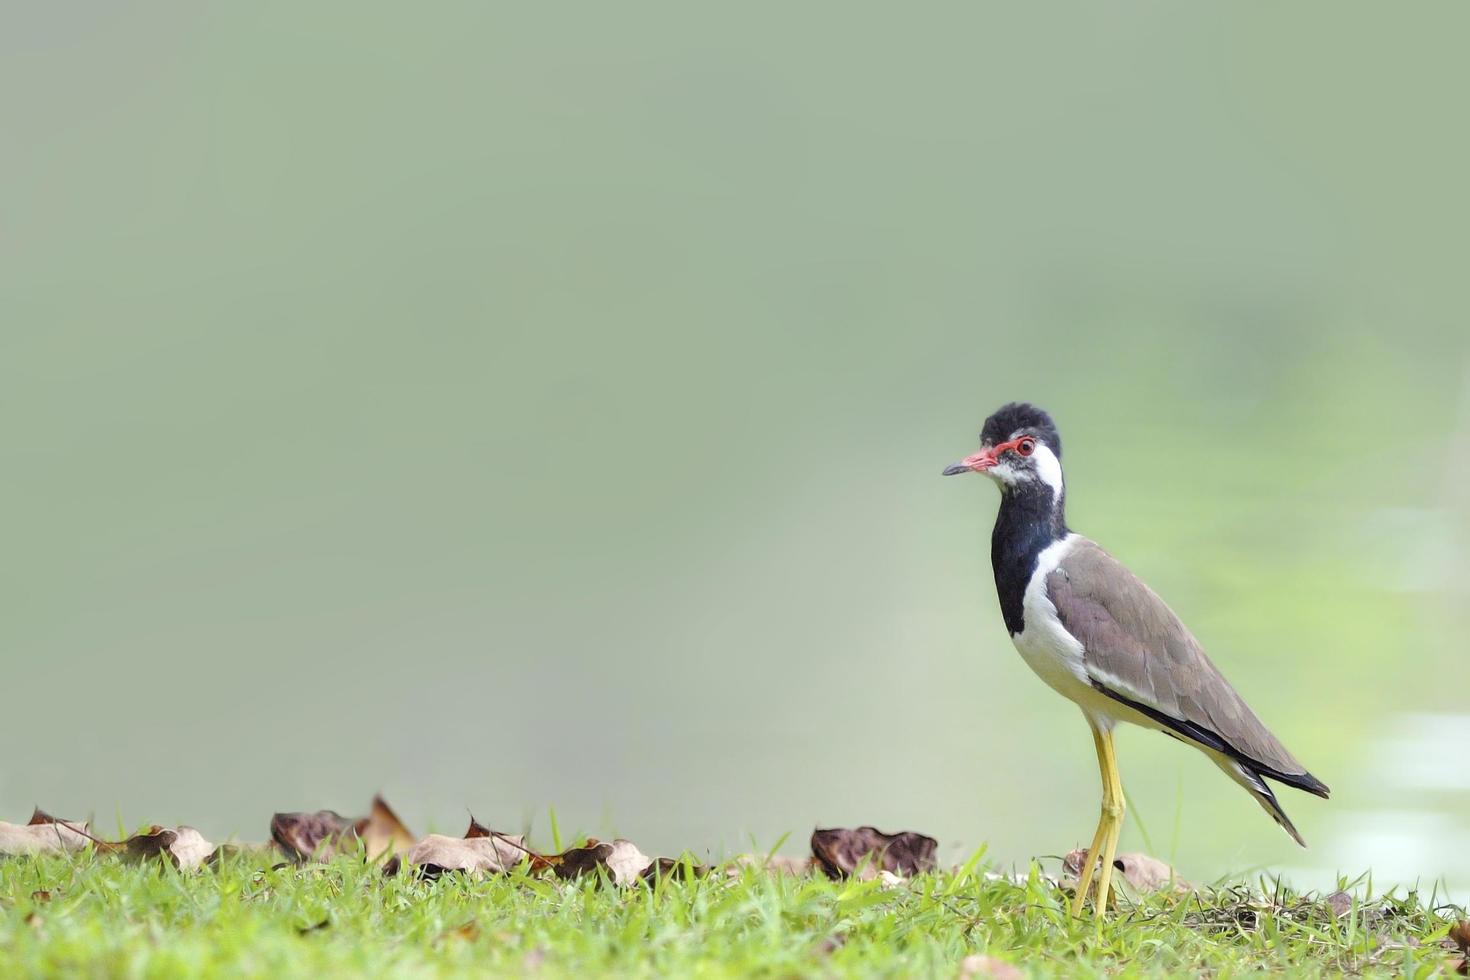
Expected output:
(956, 469)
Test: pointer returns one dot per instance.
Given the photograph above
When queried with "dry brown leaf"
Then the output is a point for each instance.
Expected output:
(977, 966)
(1459, 934)
(43, 837)
(477, 829)
(190, 849)
(790, 865)
(381, 832)
(775, 863)
(621, 859)
(39, 816)
(1148, 874)
(148, 843)
(1339, 903)
(1141, 872)
(480, 851)
(325, 834)
(185, 847)
(674, 868)
(840, 852)
(625, 864)
(476, 856)
(311, 836)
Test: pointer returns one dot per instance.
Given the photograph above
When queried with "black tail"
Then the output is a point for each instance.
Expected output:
(1189, 731)
(1255, 785)
(1305, 781)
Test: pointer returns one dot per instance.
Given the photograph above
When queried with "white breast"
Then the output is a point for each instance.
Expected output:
(1048, 649)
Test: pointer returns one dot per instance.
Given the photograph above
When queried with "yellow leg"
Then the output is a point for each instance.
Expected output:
(1089, 865)
(1113, 806)
(1109, 827)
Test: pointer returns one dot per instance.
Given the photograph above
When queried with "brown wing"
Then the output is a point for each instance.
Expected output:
(1137, 651)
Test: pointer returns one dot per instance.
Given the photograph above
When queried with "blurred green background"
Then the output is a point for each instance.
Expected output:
(513, 406)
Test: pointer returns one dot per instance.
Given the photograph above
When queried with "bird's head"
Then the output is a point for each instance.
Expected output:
(1019, 450)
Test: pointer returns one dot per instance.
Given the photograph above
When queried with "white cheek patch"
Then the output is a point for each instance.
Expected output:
(1049, 468)
(1002, 473)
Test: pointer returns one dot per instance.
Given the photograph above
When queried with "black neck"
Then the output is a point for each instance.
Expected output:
(1030, 519)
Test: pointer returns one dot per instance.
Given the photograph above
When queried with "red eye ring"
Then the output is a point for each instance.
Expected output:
(1026, 446)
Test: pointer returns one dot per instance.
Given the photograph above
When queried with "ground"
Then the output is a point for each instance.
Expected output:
(90, 915)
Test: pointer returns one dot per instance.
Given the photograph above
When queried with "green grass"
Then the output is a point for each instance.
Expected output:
(103, 918)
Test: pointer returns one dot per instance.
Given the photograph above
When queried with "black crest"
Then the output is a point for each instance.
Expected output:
(1020, 415)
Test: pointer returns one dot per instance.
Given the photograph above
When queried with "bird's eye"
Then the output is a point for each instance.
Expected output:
(1026, 446)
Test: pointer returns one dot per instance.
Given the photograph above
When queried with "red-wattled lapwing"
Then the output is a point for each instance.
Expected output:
(1099, 636)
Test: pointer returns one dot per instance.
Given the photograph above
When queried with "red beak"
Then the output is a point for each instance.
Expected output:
(978, 463)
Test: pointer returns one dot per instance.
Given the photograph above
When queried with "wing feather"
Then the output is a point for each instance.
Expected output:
(1137, 651)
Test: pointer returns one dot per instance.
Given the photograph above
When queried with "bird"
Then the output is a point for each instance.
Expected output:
(1100, 637)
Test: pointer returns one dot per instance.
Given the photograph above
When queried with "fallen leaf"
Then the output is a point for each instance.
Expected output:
(840, 852)
(185, 847)
(674, 868)
(381, 832)
(1339, 903)
(1141, 872)
(1147, 874)
(977, 965)
(40, 896)
(887, 880)
(43, 836)
(436, 854)
(39, 816)
(778, 863)
(1459, 934)
(480, 851)
(311, 836)
(146, 844)
(326, 833)
(625, 864)
(190, 849)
